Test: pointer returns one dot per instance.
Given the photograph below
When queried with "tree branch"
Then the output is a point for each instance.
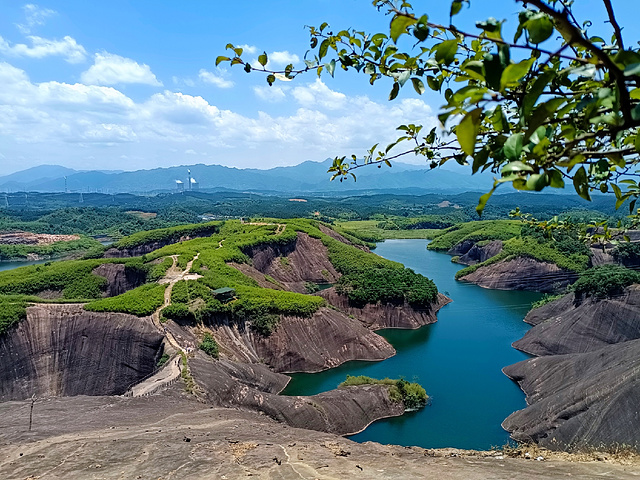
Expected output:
(614, 23)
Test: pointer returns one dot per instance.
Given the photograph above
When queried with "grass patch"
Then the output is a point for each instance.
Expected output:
(141, 301)
(546, 298)
(604, 281)
(476, 231)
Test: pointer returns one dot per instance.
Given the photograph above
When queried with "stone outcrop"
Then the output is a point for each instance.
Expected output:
(341, 411)
(387, 315)
(120, 278)
(303, 260)
(570, 325)
(480, 253)
(299, 344)
(579, 400)
(521, 273)
(65, 350)
(114, 438)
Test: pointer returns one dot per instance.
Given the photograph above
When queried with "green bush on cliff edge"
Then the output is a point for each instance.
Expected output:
(412, 395)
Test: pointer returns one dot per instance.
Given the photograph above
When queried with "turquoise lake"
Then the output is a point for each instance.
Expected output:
(458, 360)
(12, 265)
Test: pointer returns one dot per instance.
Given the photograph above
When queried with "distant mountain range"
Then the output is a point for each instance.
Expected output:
(307, 177)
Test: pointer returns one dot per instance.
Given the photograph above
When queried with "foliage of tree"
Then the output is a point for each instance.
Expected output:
(411, 394)
(209, 345)
(604, 281)
(627, 254)
(12, 311)
(550, 105)
(475, 231)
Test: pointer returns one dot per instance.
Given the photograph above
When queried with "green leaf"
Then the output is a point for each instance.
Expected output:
(633, 69)
(512, 75)
(446, 51)
(540, 27)
(394, 91)
(247, 67)
(555, 179)
(271, 79)
(467, 131)
(263, 59)
(418, 86)
(433, 83)
(484, 199)
(221, 59)
(403, 77)
(456, 6)
(399, 25)
(324, 46)
(331, 67)
(513, 147)
(530, 99)
(580, 183)
(493, 70)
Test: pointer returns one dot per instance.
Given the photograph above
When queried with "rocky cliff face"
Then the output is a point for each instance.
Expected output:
(119, 277)
(578, 400)
(341, 411)
(304, 260)
(325, 340)
(583, 389)
(568, 325)
(388, 315)
(64, 350)
(479, 254)
(522, 273)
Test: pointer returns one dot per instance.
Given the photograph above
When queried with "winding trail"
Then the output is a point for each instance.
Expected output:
(171, 370)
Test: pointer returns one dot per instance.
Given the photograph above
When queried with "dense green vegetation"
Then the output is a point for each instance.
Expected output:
(604, 281)
(546, 298)
(476, 231)
(168, 235)
(209, 345)
(412, 395)
(12, 311)
(56, 249)
(141, 301)
(627, 253)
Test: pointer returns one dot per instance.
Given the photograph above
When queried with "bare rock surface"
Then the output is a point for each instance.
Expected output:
(172, 437)
(521, 273)
(304, 260)
(387, 315)
(299, 344)
(479, 254)
(65, 350)
(570, 325)
(579, 400)
(341, 411)
(120, 278)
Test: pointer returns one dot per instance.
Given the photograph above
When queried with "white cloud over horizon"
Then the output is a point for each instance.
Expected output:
(111, 69)
(92, 126)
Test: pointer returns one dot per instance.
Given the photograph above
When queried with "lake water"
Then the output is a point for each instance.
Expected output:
(12, 265)
(458, 360)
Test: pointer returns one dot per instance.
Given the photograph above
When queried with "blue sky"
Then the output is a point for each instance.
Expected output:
(132, 84)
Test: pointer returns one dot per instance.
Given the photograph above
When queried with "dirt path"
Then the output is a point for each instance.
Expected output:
(279, 231)
(163, 377)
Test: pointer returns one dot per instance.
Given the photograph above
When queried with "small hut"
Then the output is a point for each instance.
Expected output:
(224, 294)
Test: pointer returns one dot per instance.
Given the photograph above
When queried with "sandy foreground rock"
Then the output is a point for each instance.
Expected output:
(171, 436)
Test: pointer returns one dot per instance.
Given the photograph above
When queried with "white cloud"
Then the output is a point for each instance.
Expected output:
(216, 79)
(250, 49)
(318, 94)
(34, 16)
(67, 48)
(269, 94)
(283, 58)
(53, 122)
(110, 69)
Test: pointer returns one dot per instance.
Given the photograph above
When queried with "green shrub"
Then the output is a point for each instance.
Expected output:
(168, 235)
(311, 287)
(604, 281)
(476, 231)
(265, 323)
(179, 313)
(546, 298)
(209, 346)
(412, 395)
(162, 360)
(627, 253)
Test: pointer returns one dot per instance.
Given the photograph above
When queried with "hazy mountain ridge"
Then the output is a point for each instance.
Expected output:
(306, 177)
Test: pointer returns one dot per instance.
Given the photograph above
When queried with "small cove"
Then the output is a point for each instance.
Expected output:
(458, 360)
